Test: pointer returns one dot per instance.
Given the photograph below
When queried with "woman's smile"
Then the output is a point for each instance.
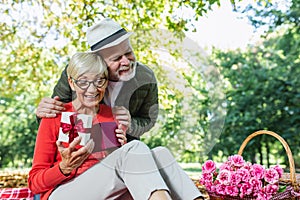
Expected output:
(91, 96)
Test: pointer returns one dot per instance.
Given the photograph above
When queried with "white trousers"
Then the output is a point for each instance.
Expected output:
(130, 172)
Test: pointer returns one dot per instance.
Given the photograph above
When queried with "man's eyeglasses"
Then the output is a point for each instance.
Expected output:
(84, 84)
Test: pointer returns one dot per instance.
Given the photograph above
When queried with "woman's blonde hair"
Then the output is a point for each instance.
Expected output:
(84, 62)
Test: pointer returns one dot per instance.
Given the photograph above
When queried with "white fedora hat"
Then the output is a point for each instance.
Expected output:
(106, 33)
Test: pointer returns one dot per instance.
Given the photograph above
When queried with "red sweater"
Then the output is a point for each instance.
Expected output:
(45, 174)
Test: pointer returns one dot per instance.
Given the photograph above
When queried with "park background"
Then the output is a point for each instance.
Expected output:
(210, 98)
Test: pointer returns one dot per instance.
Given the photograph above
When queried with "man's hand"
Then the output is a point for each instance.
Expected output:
(121, 135)
(49, 107)
(122, 116)
(73, 158)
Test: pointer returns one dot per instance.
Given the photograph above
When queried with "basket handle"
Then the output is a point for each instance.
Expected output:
(285, 145)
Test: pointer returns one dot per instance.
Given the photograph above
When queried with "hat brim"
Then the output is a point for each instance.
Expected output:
(114, 43)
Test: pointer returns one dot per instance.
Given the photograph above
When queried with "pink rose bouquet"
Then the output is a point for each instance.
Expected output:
(238, 178)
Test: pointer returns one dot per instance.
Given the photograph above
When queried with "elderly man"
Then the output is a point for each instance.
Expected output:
(132, 89)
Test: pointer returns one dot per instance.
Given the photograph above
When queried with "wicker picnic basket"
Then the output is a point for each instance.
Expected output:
(291, 179)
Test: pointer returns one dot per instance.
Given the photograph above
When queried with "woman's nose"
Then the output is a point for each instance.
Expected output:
(92, 87)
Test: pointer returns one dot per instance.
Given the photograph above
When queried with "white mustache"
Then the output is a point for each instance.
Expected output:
(126, 67)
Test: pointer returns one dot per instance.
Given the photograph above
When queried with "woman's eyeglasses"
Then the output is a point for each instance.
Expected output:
(84, 84)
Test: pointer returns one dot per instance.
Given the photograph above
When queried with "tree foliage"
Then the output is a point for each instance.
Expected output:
(261, 83)
(263, 88)
(37, 39)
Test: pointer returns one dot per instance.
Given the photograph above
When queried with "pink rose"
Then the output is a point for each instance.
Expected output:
(210, 187)
(247, 165)
(256, 184)
(224, 177)
(244, 174)
(209, 167)
(225, 166)
(220, 189)
(235, 178)
(202, 181)
(236, 160)
(271, 176)
(232, 190)
(279, 170)
(271, 189)
(217, 182)
(257, 171)
(246, 189)
(206, 179)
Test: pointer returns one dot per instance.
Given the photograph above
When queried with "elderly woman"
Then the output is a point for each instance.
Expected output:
(63, 170)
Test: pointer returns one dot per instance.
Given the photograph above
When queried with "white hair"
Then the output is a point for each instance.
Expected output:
(83, 62)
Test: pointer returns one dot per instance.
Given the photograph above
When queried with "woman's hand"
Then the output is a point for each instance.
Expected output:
(121, 135)
(123, 117)
(49, 107)
(71, 157)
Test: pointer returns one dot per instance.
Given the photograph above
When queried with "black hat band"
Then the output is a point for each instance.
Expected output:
(109, 39)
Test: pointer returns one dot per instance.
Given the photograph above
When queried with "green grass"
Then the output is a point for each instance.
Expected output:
(192, 169)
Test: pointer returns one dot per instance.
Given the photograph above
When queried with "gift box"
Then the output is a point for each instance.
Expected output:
(73, 125)
(104, 136)
(109, 139)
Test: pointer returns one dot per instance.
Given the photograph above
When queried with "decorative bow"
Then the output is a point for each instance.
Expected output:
(73, 128)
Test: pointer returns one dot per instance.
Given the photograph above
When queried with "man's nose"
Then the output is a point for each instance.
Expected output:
(124, 60)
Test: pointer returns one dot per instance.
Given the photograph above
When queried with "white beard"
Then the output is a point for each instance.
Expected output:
(129, 76)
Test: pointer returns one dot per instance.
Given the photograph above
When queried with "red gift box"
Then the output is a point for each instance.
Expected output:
(109, 138)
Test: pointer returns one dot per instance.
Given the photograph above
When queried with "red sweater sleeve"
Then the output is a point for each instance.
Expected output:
(45, 173)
